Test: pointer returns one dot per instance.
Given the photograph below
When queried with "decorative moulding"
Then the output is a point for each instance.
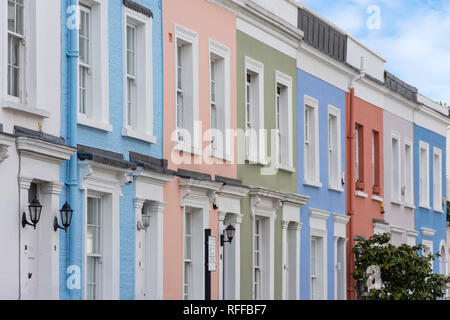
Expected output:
(427, 232)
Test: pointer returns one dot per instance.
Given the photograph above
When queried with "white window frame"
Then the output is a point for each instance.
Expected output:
(22, 53)
(357, 177)
(312, 104)
(437, 186)
(98, 256)
(409, 187)
(337, 185)
(190, 143)
(443, 259)
(424, 199)
(318, 229)
(396, 192)
(217, 50)
(282, 161)
(97, 116)
(144, 78)
(258, 242)
(255, 146)
(340, 262)
(428, 244)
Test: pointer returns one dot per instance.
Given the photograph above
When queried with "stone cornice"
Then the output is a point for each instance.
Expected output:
(43, 148)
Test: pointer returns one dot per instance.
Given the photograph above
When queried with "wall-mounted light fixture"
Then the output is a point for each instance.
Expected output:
(34, 209)
(229, 231)
(66, 218)
(144, 223)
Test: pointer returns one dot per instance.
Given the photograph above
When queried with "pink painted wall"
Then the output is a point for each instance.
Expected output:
(210, 22)
(396, 215)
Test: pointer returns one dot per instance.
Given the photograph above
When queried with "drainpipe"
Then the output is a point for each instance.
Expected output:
(72, 114)
(351, 189)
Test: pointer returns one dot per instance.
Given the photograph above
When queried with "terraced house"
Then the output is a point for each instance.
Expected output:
(111, 112)
(266, 102)
(205, 150)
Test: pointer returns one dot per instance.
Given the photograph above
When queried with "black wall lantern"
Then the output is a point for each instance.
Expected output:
(66, 218)
(35, 209)
(229, 231)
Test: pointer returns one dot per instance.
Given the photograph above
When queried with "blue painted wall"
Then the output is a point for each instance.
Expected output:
(424, 218)
(112, 141)
(320, 198)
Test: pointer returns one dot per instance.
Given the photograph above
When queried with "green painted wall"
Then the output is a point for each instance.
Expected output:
(250, 174)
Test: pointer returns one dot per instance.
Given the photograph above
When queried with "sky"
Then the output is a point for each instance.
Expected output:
(413, 35)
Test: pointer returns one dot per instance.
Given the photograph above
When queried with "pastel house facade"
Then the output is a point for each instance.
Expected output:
(32, 151)
(112, 114)
(199, 120)
(430, 185)
(267, 113)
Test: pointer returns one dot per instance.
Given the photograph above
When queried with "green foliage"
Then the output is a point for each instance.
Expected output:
(406, 274)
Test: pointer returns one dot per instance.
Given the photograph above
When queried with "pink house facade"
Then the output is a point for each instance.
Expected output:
(399, 178)
(199, 107)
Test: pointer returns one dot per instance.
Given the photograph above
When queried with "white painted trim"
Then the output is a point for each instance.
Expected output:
(99, 51)
(437, 205)
(286, 81)
(410, 201)
(427, 232)
(332, 110)
(395, 136)
(424, 202)
(186, 35)
(257, 67)
(314, 105)
(224, 52)
(377, 198)
(361, 194)
(144, 69)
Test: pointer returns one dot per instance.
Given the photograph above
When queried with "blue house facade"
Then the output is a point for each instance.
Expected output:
(430, 192)
(112, 103)
(321, 165)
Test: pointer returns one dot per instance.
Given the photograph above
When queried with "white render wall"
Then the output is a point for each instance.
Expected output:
(9, 227)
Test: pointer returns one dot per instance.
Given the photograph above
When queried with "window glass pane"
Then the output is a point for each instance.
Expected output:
(11, 16)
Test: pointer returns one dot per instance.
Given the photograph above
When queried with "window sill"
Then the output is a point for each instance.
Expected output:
(312, 184)
(397, 202)
(409, 206)
(335, 188)
(10, 105)
(128, 132)
(181, 146)
(438, 210)
(377, 198)
(221, 156)
(260, 161)
(361, 194)
(94, 124)
(423, 206)
(285, 167)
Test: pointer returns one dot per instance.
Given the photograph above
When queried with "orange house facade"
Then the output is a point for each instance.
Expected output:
(364, 176)
(199, 110)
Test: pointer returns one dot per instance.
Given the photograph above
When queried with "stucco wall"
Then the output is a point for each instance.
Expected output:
(367, 209)
(251, 174)
(320, 198)
(396, 215)
(208, 22)
(113, 141)
(428, 218)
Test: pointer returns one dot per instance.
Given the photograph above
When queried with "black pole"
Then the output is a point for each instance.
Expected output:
(207, 272)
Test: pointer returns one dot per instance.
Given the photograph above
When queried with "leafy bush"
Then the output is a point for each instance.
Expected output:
(406, 274)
